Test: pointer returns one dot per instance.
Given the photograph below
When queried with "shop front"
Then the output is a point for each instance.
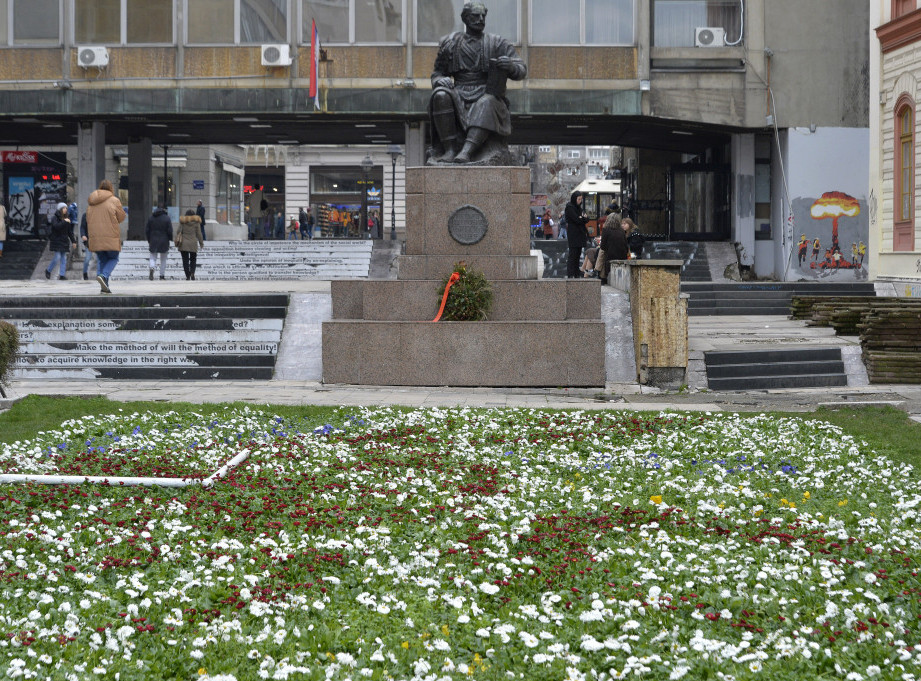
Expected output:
(34, 183)
(347, 201)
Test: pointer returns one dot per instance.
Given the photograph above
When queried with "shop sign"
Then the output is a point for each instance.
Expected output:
(19, 156)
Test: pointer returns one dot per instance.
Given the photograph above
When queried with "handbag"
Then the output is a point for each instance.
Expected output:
(179, 240)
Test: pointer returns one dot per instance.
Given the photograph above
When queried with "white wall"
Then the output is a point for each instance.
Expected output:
(827, 160)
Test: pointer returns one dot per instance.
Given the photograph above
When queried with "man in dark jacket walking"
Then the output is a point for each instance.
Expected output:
(159, 236)
(576, 234)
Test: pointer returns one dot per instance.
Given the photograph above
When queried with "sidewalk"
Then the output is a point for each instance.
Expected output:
(704, 333)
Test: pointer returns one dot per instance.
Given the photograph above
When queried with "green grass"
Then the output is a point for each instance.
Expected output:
(887, 430)
(36, 413)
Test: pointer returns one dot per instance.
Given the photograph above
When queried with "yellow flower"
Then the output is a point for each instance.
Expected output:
(722, 504)
(477, 659)
(331, 657)
(806, 495)
(405, 645)
(784, 502)
(656, 498)
(202, 671)
(843, 502)
(444, 630)
(792, 505)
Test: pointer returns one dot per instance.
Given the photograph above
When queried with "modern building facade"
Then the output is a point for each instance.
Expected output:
(895, 227)
(741, 111)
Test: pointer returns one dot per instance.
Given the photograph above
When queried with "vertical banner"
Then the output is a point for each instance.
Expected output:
(21, 217)
(314, 91)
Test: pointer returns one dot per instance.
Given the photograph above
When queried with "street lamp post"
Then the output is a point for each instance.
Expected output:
(366, 165)
(394, 151)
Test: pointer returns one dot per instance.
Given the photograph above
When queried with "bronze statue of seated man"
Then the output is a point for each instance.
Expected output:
(469, 112)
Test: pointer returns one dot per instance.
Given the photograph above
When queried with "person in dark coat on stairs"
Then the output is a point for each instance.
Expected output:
(61, 241)
(159, 235)
(576, 234)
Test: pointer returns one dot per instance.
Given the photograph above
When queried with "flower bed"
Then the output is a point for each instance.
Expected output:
(459, 543)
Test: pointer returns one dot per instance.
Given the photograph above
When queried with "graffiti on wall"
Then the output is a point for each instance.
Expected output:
(833, 237)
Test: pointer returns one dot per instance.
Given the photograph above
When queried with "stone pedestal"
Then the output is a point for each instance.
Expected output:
(539, 332)
(660, 319)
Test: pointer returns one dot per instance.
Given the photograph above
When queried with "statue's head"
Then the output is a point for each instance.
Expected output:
(471, 7)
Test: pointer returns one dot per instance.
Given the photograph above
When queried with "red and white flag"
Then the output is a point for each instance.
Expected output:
(314, 90)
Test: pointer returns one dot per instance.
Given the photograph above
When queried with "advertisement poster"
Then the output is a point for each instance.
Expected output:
(21, 215)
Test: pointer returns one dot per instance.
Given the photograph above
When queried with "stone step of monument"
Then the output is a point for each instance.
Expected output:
(256, 260)
(193, 337)
(419, 300)
(775, 368)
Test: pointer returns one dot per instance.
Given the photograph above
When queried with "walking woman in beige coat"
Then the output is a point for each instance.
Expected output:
(188, 240)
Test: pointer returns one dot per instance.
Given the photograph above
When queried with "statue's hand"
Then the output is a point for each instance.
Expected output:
(444, 81)
(504, 63)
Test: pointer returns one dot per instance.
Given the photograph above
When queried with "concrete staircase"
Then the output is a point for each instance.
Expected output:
(761, 298)
(775, 368)
(192, 337)
(696, 266)
(319, 259)
(20, 256)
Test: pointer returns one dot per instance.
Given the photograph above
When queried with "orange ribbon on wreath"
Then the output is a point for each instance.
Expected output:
(444, 299)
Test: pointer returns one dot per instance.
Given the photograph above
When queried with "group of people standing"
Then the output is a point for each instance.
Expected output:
(613, 244)
(100, 234)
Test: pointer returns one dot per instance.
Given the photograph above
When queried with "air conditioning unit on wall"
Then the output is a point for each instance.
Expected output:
(709, 36)
(276, 55)
(92, 55)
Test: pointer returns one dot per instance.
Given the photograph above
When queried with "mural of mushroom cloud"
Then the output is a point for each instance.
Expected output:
(835, 205)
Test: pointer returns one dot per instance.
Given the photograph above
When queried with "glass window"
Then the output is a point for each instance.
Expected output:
(437, 18)
(263, 21)
(360, 21)
(97, 21)
(674, 22)
(582, 22)
(379, 21)
(36, 22)
(906, 176)
(210, 22)
(4, 36)
(149, 21)
(332, 17)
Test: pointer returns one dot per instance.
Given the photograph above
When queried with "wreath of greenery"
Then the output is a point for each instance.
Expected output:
(9, 349)
(470, 297)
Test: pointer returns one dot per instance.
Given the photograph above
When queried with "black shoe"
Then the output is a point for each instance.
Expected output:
(62, 278)
(151, 273)
(162, 278)
(47, 274)
(103, 284)
(85, 276)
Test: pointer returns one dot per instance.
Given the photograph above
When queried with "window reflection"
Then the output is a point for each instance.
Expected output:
(210, 22)
(375, 21)
(36, 22)
(675, 21)
(437, 18)
(263, 21)
(150, 21)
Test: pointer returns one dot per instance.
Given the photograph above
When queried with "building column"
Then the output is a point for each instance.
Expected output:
(140, 178)
(743, 189)
(91, 160)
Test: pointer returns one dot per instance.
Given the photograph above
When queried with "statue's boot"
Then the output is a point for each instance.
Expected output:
(475, 139)
(445, 123)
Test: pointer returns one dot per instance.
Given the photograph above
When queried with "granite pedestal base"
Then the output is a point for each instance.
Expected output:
(540, 333)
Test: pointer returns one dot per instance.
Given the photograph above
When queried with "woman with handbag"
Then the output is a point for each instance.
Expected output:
(188, 240)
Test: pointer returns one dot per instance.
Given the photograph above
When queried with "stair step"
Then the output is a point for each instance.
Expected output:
(753, 370)
(778, 382)
(768, 356)
(191, 337)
